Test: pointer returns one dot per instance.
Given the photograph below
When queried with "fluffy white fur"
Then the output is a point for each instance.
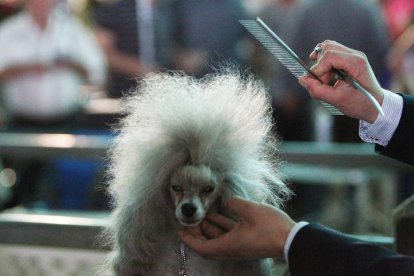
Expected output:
(179, 129)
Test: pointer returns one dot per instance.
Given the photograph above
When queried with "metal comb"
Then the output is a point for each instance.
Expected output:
(275, 45)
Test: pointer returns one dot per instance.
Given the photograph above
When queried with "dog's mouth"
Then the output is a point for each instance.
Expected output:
(189, 222)
(189, 214)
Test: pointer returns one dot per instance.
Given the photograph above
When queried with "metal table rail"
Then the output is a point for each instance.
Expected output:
(330, 154)
(324, 163)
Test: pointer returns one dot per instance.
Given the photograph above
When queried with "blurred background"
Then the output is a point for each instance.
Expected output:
(65, 65)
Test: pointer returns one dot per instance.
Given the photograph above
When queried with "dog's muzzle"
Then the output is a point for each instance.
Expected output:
(188, 210)
(189, 214)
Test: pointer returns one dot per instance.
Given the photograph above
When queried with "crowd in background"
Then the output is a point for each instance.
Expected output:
(137, 37)
(55, 55)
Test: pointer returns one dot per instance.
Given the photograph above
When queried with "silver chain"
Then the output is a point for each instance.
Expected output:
(183, 271)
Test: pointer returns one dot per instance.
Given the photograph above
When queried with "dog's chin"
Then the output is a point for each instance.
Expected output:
(189, 222)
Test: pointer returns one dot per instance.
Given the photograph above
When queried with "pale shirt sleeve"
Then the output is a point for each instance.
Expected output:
(381, 131)
(291, 236)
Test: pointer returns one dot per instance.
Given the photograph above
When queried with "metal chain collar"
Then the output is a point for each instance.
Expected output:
(183, 271)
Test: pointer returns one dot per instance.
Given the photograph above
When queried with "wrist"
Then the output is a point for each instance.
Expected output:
(280, 236)
(370, 114)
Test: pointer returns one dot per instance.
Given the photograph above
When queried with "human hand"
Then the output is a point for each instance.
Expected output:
(260, 232)
(342, 94)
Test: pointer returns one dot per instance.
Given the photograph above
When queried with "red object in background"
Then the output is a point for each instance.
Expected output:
(398, 14)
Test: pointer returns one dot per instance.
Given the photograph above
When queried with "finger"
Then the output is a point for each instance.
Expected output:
(193, 241)
(221, 221)
(330, 45)
(191, 235)
(333, 60)
(244, 208)
(326, 78)
(211, 231)
(315, 52)
(214, 248)
(319, 90)
(194, 230)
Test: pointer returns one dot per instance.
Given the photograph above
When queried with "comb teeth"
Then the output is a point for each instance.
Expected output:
(282, 52)
(269, 43)
(332, 109)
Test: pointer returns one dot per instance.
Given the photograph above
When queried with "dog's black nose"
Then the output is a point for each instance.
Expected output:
(188, 209)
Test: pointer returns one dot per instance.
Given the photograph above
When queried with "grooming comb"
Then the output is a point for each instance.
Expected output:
(292, 62)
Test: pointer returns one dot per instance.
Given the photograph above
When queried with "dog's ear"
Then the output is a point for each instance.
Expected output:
(165, 191)
(223, 210)
(222, 204)
(227, 192)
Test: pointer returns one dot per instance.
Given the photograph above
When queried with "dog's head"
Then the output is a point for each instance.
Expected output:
(193, 189)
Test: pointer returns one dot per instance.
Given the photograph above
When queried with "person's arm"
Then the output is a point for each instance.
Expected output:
(119, 61)
(263, 231)
(17, 70)
(318, 250)
(395, 132)
(343, 95)
(401, 146)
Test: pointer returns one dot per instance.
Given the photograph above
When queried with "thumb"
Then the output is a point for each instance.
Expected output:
(241, 207)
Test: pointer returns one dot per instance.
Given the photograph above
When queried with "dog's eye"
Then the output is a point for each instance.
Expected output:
(207, 190)
(177, 188)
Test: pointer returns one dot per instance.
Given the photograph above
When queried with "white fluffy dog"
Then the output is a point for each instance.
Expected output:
(184, 147)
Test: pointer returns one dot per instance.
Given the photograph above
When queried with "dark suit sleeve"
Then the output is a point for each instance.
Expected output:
(401, 145)
(317, 250)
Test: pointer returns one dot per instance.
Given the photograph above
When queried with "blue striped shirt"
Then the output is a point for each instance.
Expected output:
(381, 131)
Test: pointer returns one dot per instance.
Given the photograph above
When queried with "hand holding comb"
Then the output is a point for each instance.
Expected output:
(293, 63)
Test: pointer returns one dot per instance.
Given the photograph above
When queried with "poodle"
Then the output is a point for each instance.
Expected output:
(183, 147)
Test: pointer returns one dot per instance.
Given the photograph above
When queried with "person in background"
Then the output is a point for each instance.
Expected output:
(289, 110)
(135, 35)
(48, 61)
(47, 57)
(400, 60)
(207, 33)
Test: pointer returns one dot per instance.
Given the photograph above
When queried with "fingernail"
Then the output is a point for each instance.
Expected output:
(303, 82)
